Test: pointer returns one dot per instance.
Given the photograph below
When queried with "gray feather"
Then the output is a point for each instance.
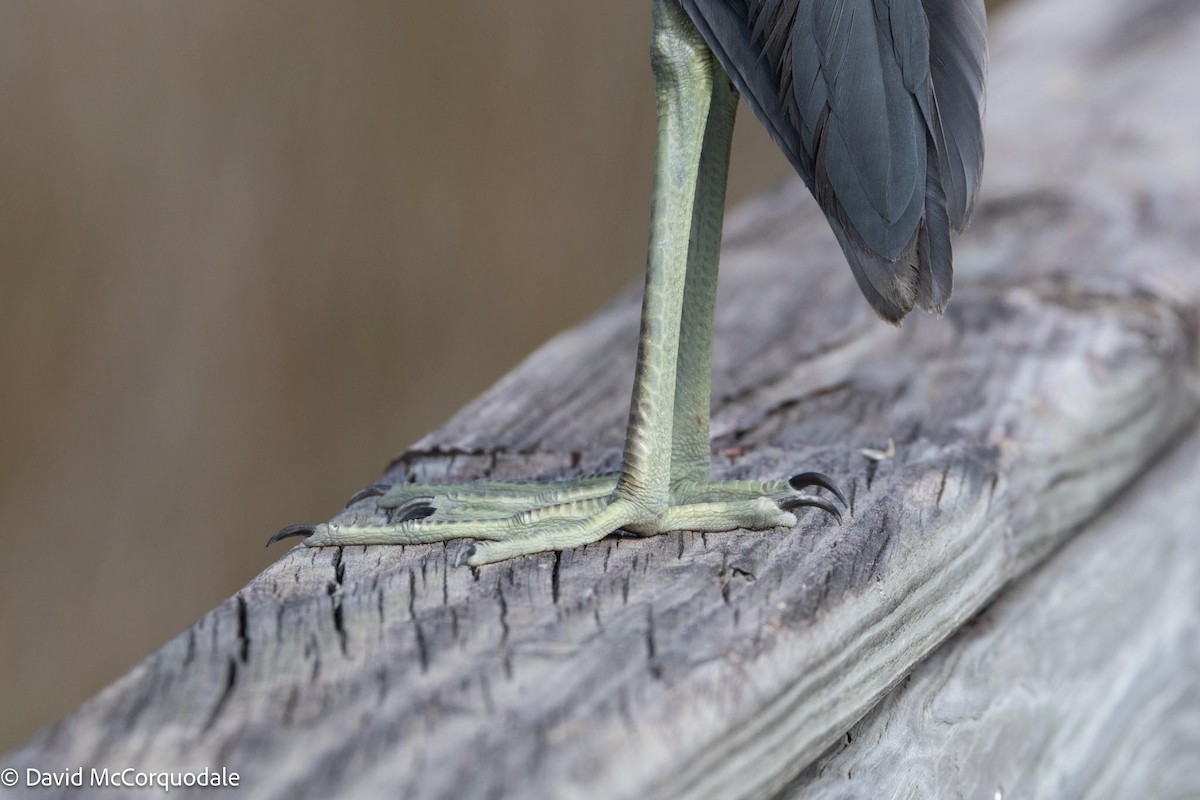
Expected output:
(875, 141)
(958, 66)
(877, 104)
(933, 244)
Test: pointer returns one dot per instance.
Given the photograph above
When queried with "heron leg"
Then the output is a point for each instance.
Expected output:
(696, 502)
(664, 479)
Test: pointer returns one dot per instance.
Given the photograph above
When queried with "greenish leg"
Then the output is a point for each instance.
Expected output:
(664, 481)
(693, 372)
(696, 503)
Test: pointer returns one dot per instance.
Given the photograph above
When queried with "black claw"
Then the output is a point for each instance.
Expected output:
(415, 512)
(374, 490)
(804, 479)
(415, 508)
(292, 530)
(816, 502)
(393, 504)
(464, 552)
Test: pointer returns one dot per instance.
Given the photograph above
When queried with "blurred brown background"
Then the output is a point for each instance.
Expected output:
(250, 251)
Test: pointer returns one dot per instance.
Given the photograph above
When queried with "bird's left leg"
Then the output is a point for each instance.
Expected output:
(697, 502)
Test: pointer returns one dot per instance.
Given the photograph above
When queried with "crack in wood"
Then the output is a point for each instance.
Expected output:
(243, 635)
(554, 573)
(503, 614)
(231, 672)
(334, 590)
(418, 631)
(651, 648)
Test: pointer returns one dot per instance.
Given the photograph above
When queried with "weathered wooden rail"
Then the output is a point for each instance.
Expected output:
(754, 664)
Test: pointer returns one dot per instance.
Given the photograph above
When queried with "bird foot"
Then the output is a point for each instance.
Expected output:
(506, 519)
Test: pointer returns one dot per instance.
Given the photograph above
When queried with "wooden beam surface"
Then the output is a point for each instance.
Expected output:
(1081, 681)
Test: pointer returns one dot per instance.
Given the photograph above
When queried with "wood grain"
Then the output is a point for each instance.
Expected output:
(1081, 680)
(722, 665)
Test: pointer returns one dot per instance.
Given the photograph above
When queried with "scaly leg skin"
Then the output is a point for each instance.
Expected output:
(664, 480)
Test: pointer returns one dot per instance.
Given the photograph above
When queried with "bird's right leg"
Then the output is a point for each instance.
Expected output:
(697, 502)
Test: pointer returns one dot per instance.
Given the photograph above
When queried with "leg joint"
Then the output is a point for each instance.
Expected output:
(678, 53)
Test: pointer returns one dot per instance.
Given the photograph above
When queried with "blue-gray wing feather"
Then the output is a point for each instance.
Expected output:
(958, 67)
(878, 105)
